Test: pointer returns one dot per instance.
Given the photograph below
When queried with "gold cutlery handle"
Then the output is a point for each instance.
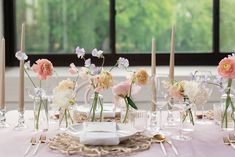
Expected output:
(36, 149)
(163, 149)
(27, 150)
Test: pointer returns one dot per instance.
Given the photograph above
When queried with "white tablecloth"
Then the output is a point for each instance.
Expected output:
(207, 142)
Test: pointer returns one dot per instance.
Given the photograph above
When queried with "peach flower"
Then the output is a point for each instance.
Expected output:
(226, 67)
(102, 81)
(141, 77)
(43, 68)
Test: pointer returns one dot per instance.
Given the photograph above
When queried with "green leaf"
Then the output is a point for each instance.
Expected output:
(131, 103)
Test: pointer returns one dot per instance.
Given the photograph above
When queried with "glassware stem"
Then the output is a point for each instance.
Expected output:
(3, 123)
(160, 120)
(21, 122)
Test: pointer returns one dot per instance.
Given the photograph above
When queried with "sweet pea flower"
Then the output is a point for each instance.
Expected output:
(21, 55)
(73, 69)
(226, 67)
(80, 52)
(123, 63)
(97, 53)
(87, 62)
(83, 73)
(43, 68)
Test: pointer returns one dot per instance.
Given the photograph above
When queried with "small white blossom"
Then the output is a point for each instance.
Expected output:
(80, 52)
(27, 65)
(21, 55)
(122, 63)
(97, 53)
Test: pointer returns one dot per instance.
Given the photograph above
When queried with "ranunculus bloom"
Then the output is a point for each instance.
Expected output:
(226, 67)
(66, 84)
(122, 89)
(102, 81)
(43, 68)
(141, 77)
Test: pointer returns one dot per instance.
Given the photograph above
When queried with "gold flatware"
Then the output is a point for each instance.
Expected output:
(172, 146)
(160, 139)
(33, 141)
(42, 139)
(228, 142)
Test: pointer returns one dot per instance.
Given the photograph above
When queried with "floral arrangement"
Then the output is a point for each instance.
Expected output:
(189, 92)
(43, 68)
(99, 78)
(226, 69)
(127, 88)
(64, 97)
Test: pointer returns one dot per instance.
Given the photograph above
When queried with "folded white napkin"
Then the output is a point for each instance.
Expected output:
(99, 133)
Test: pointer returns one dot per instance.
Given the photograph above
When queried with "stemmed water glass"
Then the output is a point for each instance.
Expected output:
(162, 99)
(205, 79)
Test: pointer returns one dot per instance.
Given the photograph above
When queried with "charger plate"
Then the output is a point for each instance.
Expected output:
(124, 131)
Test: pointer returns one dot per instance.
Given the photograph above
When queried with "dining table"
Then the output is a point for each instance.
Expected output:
(207, 141)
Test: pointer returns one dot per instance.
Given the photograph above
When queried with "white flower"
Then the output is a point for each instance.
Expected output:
(62, 98)
(123, 63)
(80, 52)
(87, 62)
(21, 55)
(191, 89)
(96, 53)
(39, 92)
(202, 96)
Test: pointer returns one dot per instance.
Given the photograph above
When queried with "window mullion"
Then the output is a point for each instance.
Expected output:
(216, 26)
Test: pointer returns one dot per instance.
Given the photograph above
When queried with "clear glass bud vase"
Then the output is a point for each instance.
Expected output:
(96, 107)
(41, 119)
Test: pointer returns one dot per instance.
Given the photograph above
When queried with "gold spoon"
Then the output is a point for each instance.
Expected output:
(160, 136)
(160, 139)
(33, 142)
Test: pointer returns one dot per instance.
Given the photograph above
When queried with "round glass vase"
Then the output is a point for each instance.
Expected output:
(227, 112)
(41, 118)
(96, 107)
(65, 118)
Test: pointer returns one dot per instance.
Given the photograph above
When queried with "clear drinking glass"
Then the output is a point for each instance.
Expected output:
(205, 78)
(140, 120)
(162, 99)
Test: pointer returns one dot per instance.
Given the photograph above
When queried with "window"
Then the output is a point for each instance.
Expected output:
(54, 28)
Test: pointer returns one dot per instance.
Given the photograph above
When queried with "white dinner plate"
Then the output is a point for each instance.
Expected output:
(124, 131)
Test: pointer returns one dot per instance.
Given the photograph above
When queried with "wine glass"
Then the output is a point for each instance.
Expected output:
(205, 79)
(162, 99)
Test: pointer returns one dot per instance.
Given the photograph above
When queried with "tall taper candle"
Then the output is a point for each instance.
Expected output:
(21, 80)
(172, 56)
(2, 86)
(153, 74)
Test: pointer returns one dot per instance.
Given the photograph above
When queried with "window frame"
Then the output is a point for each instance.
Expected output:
(196, 59)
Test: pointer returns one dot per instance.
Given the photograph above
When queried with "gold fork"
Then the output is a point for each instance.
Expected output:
(228, 142)
(33, 141)
(42, 139)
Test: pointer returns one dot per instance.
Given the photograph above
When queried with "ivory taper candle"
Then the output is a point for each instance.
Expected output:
(2, 77)
(21, 71)
(172, 56)
(153, 74)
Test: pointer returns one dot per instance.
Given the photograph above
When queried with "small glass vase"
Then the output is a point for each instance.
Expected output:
(96, 108)
(65, 118)
(227, 121)
(41, 118)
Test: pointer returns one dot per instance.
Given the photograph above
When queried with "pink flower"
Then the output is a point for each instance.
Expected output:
(43, 68)
(73, 70)
(83, 73)
(122, 89)
(226, 67)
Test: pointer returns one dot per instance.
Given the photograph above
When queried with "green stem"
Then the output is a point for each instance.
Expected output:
(94, 105)
(227, 103)
(127, 110)
(191, 116)
(103, 61)
(39, 109)
(66, 118)
(101, 110)
(113, 67)
(30, 78)
(70, 116)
